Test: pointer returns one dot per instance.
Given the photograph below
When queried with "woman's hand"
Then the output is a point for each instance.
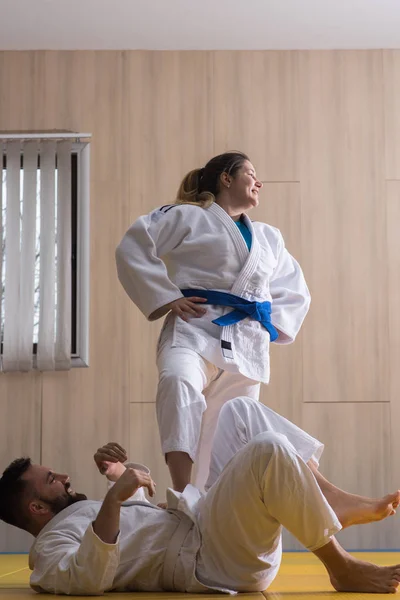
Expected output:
(182, 307)
(109, 459)
(186, 308)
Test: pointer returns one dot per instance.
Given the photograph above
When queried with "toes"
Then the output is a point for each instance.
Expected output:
(394, 498)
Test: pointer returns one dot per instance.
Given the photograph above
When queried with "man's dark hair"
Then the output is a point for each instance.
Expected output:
(12, 491)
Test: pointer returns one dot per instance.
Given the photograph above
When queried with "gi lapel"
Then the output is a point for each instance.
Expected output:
(249, 261)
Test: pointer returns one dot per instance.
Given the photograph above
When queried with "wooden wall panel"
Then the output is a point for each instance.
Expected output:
(393, 301)
(391, 66)
(392, 157)
(356, 458)
(170, 123)
(322, 130)
(20, 431)
(17, 74)
(343, 226)
(255, 110)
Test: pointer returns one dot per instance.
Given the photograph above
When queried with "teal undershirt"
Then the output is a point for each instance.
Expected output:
(245, 231)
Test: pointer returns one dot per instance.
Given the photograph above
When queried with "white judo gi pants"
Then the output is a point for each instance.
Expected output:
(265, 484)
(191, 391)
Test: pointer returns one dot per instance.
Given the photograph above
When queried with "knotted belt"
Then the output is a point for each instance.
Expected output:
(259, 311)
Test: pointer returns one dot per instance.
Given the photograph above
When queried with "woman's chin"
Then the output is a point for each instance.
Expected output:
(254, 202)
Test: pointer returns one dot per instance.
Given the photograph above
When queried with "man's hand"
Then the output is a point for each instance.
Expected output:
(106, 525)
(129, 482)
(109, 459)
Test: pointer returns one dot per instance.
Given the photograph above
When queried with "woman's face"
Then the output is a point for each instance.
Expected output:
(245, 186)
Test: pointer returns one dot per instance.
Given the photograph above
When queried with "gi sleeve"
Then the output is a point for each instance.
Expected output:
(141, 271)
(63, 565)
(290, 296)
(139, 495)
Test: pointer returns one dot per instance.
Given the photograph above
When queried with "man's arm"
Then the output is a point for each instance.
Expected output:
(106, 525)
(82, 558)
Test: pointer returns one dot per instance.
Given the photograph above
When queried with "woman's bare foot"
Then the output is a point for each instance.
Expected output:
(365, 577)
(357, 510)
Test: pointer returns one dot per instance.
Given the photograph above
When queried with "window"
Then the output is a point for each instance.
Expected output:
(44, 266)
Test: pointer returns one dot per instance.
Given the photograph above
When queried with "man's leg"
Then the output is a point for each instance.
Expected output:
(221, 390)
(242, 419)
(265, 486)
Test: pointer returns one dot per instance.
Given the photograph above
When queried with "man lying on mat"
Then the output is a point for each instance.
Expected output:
(263, 475)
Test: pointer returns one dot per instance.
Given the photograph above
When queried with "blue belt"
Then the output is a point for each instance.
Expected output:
(259, 311)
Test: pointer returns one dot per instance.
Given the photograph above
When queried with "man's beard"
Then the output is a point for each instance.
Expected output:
(58, 504)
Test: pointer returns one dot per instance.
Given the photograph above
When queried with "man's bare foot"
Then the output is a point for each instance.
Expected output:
(359, 576)
(348, 574)
(352, 509)
(356, 510)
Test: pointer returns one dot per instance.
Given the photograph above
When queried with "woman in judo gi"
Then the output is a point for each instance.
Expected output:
(228, 286)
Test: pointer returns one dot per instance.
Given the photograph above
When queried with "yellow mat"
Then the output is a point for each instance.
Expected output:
(301, 576)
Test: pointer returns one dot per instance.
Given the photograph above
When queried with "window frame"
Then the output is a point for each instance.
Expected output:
(80, 254)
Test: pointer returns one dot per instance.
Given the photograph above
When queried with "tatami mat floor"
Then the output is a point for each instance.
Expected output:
(301, 576)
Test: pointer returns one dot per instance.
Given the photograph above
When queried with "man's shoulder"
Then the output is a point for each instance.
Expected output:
(72, 517)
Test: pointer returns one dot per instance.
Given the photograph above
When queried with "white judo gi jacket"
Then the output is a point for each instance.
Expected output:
(155, 551)
(186, 246)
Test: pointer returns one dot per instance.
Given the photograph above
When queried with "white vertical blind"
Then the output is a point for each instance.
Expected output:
(1, 250)
(28, 254)
(63, 322)
(13, 260)
(45, 352)
(25, 235)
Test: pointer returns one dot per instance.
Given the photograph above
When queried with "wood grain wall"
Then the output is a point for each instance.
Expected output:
(323, 129)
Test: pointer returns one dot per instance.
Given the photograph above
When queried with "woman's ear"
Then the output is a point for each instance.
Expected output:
(226, 179)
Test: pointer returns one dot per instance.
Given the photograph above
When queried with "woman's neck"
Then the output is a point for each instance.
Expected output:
(234, 213)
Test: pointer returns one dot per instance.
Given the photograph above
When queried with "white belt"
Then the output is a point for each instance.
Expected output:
(171, 556)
